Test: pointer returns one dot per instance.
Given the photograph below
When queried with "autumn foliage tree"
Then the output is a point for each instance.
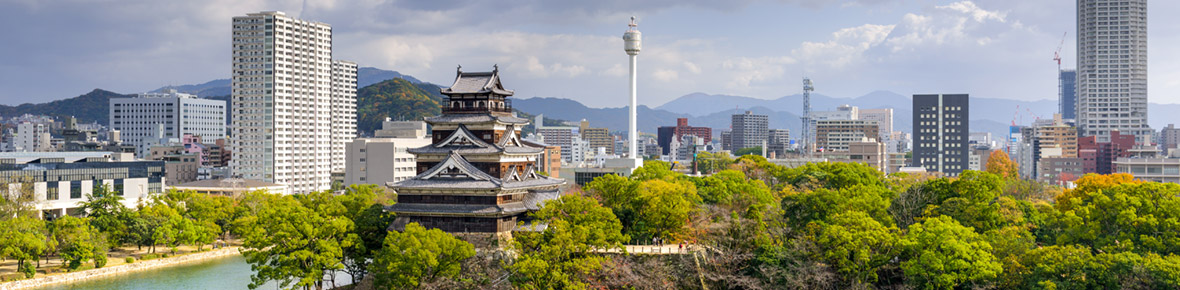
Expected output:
(999, 164)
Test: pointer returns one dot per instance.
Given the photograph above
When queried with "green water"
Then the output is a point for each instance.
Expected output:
(230, 272)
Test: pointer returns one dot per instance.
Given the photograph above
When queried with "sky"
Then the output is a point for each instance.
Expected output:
(574, 49)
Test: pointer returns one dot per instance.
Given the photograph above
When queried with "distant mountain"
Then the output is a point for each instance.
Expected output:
(397, 99)
(88, 108)
(218, 87)
(366, 76)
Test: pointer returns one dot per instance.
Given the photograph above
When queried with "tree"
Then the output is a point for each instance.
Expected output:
(939, 253)
(855, 245)
(417, 255)
(708, 163)
(999, 164)
(1115, 212)
(24, 240)
(757, 150)
(800, 209)
(18, 201)
(371, 221)
(77, 241)
(295, 240)
(561, 255)
(107, 213)
(664, 208)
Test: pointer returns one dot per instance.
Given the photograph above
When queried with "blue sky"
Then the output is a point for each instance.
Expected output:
(573, 49)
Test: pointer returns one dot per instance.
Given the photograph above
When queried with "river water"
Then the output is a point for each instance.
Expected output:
(231, 272)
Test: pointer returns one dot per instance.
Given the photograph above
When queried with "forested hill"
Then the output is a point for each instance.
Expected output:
(88, 108)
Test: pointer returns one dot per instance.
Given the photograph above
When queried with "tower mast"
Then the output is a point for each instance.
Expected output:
(632, 45)
(806, 137)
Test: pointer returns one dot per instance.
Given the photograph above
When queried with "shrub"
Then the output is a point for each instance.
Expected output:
(100, 260)
(129, 260)
(148, 257)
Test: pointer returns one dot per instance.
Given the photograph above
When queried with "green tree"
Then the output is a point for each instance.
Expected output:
(562, 255)
(1115, 212)
(665, 208)
(855, 244)
(20, 201)
(749, 151)
(107, 213)
(939, 253)
(831, 175)
(295, 240)
(800, 209)
(708, 163)
(417, 256)
(24, 240)
(77, 241)
(371, 221)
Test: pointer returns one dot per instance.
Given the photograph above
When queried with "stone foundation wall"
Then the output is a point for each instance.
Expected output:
(120, 269)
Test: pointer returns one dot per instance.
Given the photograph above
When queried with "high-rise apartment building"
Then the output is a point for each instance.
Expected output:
(597, 137)
(749, 130)
(1112, 68)
(343, 110)
(940, 133)
(138, 119)
(1067, 94)
(1169, 138)
(282, 89)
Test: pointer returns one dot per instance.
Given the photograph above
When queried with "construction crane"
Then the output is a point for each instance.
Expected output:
(805, 140)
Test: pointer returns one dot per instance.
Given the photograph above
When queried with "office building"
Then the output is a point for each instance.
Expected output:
(385, 158)
(1067, 97)
(142, 121)
(1098, 157)
(940, 132)
(749, 130)
(343, 110)
(1169, 138)
(884, 118)
(1112, 69)
(867, 151)
(836, 135)
(60, 180)
(282, 93)
(778, 142)
(665, 135)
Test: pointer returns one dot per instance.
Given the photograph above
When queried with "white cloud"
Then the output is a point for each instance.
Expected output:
(666, 75)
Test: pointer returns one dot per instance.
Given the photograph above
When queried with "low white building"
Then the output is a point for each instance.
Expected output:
(384, 159)
(60, 181)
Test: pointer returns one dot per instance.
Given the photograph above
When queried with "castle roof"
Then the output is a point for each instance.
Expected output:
(477, 83)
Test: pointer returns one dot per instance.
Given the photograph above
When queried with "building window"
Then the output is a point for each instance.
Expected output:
(75, 189)
(51, 191)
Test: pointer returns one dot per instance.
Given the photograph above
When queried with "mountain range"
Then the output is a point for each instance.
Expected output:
(412, 98)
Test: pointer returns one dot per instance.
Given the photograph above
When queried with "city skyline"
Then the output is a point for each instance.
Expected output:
(749, 48)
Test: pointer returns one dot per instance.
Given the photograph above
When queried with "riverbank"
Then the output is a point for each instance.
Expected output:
(74, 277)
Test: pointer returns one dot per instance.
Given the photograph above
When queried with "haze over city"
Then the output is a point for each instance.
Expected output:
(760, 49)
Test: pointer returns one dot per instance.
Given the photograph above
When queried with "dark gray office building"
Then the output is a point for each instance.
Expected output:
(940, 132)
(1067, 97)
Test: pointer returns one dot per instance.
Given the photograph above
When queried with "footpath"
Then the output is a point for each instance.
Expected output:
(73, 277)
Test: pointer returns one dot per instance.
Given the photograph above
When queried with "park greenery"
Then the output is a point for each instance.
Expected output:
(750, 224)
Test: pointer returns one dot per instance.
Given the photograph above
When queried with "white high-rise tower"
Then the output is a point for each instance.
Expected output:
(285, 100)
(632, 44)
(1112, 69)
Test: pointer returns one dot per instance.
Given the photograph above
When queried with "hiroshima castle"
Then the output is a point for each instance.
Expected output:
(477, 179)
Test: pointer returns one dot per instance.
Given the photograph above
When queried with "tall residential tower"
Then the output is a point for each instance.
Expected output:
(282, 94)
(940, 133)
(1112, 68)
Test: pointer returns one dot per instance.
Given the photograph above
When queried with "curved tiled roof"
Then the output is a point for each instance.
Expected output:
(474, 119)
(477, 83)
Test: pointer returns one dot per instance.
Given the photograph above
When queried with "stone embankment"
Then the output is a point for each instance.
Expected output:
(79, 276)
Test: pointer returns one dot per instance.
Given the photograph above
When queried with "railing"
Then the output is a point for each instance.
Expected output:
(476, 106)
